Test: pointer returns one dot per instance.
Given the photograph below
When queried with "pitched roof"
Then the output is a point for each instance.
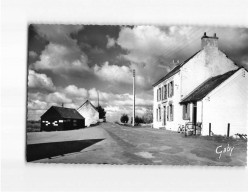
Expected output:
(206, 87)
(87, 102)
(68, 113)
(174, 70)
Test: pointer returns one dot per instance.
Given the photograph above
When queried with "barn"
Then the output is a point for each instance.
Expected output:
(60, 118)
(90, 112)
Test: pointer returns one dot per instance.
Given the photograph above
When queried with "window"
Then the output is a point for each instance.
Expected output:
(159, 94)
(171, 112)
(186, 111)
(165, 91)
(74, 123)
(171, 89)
(159, 113)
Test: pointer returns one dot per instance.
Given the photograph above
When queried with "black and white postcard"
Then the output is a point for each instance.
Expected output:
(137, 94)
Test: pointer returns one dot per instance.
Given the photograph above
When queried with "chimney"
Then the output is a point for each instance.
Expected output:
(208, 41)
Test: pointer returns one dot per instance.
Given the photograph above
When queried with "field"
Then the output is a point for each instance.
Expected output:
(33, 126)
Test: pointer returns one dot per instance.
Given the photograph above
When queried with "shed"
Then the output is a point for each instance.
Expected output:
(60, 118)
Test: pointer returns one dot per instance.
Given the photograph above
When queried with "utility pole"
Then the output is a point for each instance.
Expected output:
(133, 97)
(98, 98)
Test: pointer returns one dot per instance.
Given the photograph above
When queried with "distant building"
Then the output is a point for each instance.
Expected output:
(60, 118)
(208, 88)
(89, 112)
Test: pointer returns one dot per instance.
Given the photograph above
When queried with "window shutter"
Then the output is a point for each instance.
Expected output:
(188, 111)
(168, 112)
(157, 94)
(162, 92)
(168, 89)
(184, 111)
(172, 88)
(172, 112)
(165, 93)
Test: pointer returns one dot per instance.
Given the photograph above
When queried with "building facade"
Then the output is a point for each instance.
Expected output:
(171, 108)
(89, 112)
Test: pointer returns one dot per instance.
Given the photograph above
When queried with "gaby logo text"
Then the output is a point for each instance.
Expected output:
(221, 150)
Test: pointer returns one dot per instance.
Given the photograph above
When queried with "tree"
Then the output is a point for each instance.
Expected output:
(148, 116)
(124, 118)
(102, 112)
(138, 120)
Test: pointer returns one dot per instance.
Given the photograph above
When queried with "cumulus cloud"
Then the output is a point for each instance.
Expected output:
(60, 58)
(72, 97)
(37, 105)
(58, 97)
(62, 54)
(152, 50)
(59, 34)
(40, 81)
(113, 73)
(73, 91)
(111, 42)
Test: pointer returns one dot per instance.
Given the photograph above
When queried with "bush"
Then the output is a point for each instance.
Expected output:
(102, 113)
(124, 118)
(33, 126)
(138, 120)
(148, 116)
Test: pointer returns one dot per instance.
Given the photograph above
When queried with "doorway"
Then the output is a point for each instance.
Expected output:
(164, 115)
(194, 112)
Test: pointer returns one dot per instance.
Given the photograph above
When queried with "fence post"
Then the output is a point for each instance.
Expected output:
(228, 129)
(209, 129)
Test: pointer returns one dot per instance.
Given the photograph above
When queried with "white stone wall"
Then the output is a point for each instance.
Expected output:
(89, 113)
(227, 104)
(204, 65)
(209, 62)
(175, 99)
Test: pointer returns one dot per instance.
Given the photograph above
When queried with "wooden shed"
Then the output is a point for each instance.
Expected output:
(60, 118)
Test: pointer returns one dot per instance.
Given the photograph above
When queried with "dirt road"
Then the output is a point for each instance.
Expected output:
(114, 144)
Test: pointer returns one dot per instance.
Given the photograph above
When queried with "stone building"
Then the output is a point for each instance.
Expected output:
(89, 112)
(201, 90)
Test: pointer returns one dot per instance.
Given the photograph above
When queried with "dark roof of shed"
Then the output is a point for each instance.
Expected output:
(206, 87)
(87, 101)
(174, 70)
(68, 113)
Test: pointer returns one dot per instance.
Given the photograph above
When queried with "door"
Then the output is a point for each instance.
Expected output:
(194, 113)
(164, 115)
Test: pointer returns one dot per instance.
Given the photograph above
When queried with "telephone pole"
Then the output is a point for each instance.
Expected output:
(98, 99)
(133, 97)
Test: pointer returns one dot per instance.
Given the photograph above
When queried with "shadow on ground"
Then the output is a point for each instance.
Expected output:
(48, 150)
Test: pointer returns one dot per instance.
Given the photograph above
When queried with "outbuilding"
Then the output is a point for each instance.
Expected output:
(90, 113)
(60, 118)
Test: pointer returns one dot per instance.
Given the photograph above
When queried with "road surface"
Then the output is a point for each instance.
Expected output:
(111, 143)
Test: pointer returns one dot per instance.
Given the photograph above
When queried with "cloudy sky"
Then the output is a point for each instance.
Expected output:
(70, 63)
